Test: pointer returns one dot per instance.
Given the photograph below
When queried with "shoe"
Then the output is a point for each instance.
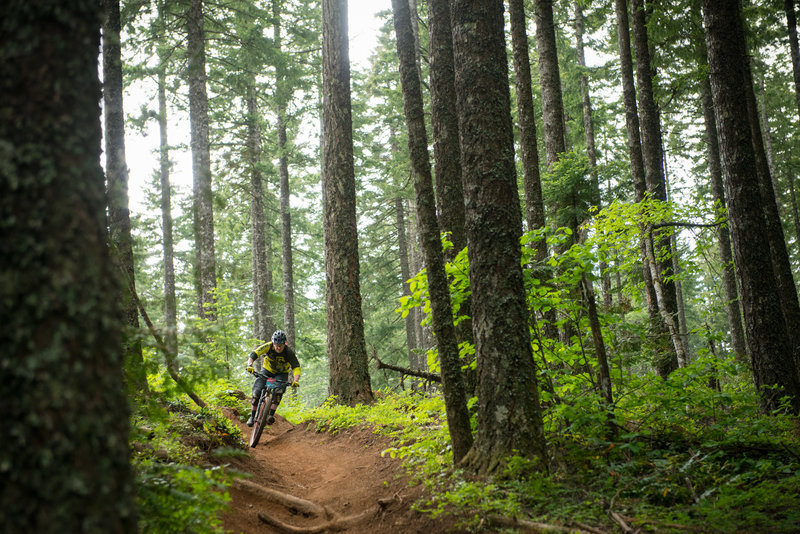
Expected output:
(251, 420)
(270, 419)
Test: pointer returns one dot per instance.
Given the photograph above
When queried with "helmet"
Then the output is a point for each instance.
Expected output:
(279, 337)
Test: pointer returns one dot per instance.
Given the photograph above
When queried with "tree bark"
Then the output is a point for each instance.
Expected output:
(529, 149)
(657, 187)
(261, 313)
(509, 416)
(550, 80)
(772, 221)
(170, 301)
(794, 49)
(205, 261)
(591, 150)
(664, 361)
(119, 217)
(767, 335)
(438, 288)
(65, 449)
(446, 150)
(347, 351)
(732, 308)
(444, 120)
(793, 198)
(405, 274)
(282, 97)
(532, 182)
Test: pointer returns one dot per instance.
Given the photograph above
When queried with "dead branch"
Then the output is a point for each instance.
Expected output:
(685, 225)
(432, 377)
(169, 357)
(620, 521)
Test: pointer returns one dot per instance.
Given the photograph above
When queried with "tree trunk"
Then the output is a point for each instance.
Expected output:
(405, 274)
(444, 120)
(604, 371)
(438, 288)
(287, 264)
(657, 187)
(446, 151)
(793, 197)
(170, 301)
(767, 335)
(550, 80)
(529, 149)
(65, 415)
(119, 217)
(258, 243)
(777, 242)
(534, 201)
(664, 359)
(732, 308)
(791, 26)
(591, 151)
(509, 416)
(347, 350)
(205, 262)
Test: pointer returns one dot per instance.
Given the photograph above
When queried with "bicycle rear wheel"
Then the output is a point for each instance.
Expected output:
(260, 419)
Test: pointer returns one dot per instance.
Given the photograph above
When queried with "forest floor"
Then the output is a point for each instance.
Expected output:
(305, 481)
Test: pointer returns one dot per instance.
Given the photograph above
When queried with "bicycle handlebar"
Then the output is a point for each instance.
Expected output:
(272, 382)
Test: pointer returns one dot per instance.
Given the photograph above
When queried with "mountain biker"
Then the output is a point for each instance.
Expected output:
(279, 360)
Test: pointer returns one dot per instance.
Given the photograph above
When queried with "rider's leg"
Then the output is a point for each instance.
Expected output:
(258, 386)
(271, 414)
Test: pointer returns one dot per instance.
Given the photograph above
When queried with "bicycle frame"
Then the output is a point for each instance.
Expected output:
(272, 389)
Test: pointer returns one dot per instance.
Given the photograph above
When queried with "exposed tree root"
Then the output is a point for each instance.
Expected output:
(334, 524)
(333, 521)
(302, 506)
(534, 527)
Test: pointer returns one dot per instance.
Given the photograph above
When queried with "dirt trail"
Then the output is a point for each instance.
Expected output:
(340, 476)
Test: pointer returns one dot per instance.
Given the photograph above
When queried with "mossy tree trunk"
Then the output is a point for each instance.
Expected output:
(119, 217)
(347, 351)
(767, 335)
(509, 415)
(438, 287)
(64, 452)
(205, 259)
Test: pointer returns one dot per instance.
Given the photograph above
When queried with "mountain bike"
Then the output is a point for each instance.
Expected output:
(271, 394)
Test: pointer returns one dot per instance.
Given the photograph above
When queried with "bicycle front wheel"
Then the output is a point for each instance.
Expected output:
(260, 419)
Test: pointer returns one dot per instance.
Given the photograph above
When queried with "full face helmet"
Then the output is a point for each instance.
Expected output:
(279, 337)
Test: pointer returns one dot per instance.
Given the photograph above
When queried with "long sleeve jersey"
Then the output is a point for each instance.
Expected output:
(277, 362)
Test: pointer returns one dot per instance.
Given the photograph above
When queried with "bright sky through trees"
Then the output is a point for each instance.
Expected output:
(142, 148)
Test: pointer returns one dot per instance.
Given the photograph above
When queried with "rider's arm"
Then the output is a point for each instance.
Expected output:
(292, 358)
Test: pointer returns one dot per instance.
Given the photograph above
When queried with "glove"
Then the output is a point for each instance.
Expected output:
(249, 369)
(295, 384)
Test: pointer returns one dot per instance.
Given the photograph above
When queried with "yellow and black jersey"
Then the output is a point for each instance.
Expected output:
(277, 362)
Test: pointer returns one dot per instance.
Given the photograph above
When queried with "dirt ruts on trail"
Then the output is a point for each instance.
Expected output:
(307, 481)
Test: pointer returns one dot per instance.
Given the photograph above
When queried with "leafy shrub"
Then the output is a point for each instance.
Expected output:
(180, 498)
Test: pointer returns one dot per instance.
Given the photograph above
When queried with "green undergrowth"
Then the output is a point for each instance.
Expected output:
(676, 455)
(177, 450)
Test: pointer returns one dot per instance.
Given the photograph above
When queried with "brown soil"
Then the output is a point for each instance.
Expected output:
(341, 476)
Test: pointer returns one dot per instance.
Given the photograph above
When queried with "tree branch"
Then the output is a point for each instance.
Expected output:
(432, 377)
(685, 225)
(169, 357)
